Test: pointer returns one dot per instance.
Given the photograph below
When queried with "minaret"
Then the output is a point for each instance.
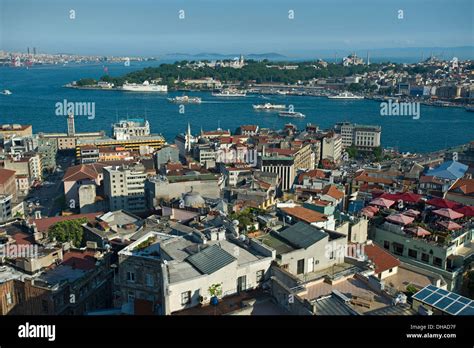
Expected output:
(188, 138)
(368, 58)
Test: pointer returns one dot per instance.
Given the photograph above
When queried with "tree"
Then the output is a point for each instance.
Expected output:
(68, 231)
(86, 82)
(377, 152)
(352, 151)
(215, 290)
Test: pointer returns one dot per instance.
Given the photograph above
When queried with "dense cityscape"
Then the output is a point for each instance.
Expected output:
(253, 221)
(272, 173)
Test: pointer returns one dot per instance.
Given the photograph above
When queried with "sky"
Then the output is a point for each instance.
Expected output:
(154, 27)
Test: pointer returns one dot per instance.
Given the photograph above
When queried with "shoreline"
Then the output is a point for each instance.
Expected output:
(324, 94)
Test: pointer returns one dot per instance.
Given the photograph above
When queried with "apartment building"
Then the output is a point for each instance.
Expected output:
(124, 187)
(8, 183)
(438, 253)
(162, 274)
(284, 166)
(331, 147)
(363, 137)
(302, 248)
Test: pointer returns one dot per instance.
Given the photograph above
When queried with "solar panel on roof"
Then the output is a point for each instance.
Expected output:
(454, 308)
(453, 296)
(432, 298)
(443, 303)
(422, 294)
(467, 311)
(442, 292)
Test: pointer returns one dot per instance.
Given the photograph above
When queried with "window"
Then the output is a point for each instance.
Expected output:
(131, 277)
(131, 297)
(412, 253)
(285, 266)
(260, 276)
(398, 249)
(300, 267)
(437, 261)
(386, 244)
(185, 298)
(390, 270)
(149, 280)
(9, 298)
(425, 257)
(241, 283)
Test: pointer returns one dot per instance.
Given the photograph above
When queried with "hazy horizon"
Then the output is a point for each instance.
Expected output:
(151, 28)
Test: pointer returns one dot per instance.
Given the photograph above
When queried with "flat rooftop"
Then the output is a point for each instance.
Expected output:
(352, 288)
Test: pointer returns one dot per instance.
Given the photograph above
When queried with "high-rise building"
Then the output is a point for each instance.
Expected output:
(124, 187)
(331, 147)
(284, 166)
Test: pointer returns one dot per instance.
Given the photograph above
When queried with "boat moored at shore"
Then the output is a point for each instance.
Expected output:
(345, 95)
(144, 87)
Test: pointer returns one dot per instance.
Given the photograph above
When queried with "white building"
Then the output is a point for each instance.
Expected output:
(124, 187)
(5, 207)
(331, 147)
(124, 129)
(174, 273)
(361, 136)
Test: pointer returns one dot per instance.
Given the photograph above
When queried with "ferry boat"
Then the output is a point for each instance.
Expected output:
(185, 100)
(229, 93)
(144, 87)
(6, 92)
(292, 114)
(345, 95)
(269, 107)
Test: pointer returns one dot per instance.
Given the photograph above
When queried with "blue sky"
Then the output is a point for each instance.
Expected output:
(152, 27)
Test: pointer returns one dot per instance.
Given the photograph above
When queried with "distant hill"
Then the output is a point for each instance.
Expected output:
(219, 56)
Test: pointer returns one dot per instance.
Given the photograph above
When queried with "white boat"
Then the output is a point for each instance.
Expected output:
(144, 87)
(185, 100)
(269, 106)
(345, 95)
(6, 92)
(229, 93)
(292, 114)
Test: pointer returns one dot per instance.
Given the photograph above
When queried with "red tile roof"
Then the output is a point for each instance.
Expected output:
(285, 152)
(249, 128)
(315, 173)
(305, 214)
(464, 186)
(23, 238)
(333, 191)
(382, 259)
(364, 177)
(44, 224)
(5, 175)
(84, 171)
(83, 260)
